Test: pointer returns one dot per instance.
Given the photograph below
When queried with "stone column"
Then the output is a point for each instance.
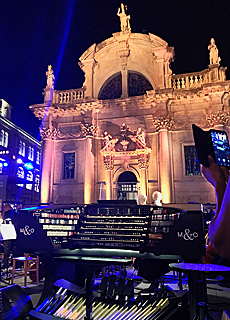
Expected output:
(124, 75)
(108, 164)
(108, 184)
(162, 125)
(123, 52)
(164, 166)
(88, 68)
(89, 172)
(143, 166)
(160, 64)
(46, 153)
(48, 95)
(214, 72)
(47, 135)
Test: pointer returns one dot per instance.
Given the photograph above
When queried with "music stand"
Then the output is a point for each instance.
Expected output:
(7, 233)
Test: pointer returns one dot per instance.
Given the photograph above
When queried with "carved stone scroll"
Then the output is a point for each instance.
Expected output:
(217, 118)
(163, 123)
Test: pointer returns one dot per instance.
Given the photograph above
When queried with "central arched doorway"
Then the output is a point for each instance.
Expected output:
(127, 186)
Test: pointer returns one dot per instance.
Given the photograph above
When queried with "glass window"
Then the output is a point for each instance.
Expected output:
(138, 84)
(29, 177)
(37, 183)
(112, 89)
(69, 165)
(4, 138)
(31, 153)
(20, 174)
(192, 165)
(127, 191)
(38, 157)
(22, 148)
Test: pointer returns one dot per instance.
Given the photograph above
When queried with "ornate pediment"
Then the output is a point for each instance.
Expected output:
(125, 142)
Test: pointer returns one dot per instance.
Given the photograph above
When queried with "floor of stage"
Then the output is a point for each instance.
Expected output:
(218, 291)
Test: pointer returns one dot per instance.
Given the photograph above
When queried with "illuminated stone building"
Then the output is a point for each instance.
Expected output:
(19, 162)
(128, 130)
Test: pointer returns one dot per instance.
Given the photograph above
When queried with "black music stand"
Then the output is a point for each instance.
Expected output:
(197, 285)
(7, 233)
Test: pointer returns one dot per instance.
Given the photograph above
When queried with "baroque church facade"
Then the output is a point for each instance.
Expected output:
(128, 131)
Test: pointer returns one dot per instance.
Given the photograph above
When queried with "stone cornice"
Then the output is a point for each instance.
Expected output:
(147, 101)
(89, 130)
(47, 133)
(39, 110)
(69, 135)
(70, 109)
(136, 152)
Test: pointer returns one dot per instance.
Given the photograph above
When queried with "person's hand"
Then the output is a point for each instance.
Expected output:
(216, 175)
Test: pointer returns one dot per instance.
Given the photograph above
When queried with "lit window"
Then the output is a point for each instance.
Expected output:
(20, 174)
(38, 157)
(5, 144)
(37, 183)
(22, 148)
(29, 177)
(192, 165)
(31, 153)
(69, 165)
(4, 138)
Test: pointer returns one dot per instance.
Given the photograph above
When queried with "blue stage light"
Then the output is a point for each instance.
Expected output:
(28, 166)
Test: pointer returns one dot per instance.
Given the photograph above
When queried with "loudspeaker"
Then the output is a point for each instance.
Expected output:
(15, 302)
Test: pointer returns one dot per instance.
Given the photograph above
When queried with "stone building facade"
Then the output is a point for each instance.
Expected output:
(128, 130)
(19, 162)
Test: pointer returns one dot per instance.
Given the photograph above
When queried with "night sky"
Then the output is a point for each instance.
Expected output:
(36, 33)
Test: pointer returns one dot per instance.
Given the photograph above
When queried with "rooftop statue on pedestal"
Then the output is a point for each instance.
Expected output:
(214, 58)
(125, 24)
(50, 77)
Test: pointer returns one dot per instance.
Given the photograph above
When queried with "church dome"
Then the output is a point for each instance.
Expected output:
(126, 64)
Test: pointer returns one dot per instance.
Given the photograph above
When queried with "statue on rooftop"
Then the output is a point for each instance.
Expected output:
(124, 19)
(50, 77)
(214, 58)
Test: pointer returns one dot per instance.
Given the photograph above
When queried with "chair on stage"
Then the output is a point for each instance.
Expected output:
(28, 262)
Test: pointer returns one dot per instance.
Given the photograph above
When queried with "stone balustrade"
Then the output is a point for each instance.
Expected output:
(190, 80)
(68, 96)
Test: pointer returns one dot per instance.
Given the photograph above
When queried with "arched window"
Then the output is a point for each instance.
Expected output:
(138, 84)
(112, 88)
(127, 186)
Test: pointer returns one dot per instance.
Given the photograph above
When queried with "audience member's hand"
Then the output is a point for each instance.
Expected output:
(216, 175)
